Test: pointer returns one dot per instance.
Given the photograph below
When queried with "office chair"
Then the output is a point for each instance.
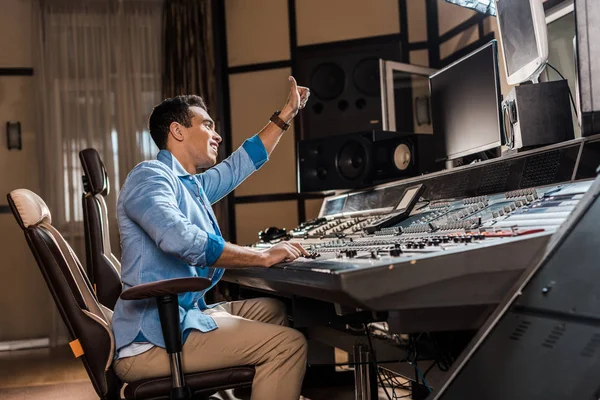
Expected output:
(103, 268)
(89, 322)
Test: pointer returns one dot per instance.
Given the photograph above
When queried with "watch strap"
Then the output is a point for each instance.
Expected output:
(278, 121)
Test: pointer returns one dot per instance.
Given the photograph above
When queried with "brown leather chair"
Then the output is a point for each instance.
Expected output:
(89, 322)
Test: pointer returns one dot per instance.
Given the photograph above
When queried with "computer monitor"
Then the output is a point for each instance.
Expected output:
(465, 104)
(522, 26)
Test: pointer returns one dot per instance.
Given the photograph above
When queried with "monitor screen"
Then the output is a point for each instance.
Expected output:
(518, 34)
(334, 206)
(407, 198)
(465, 104)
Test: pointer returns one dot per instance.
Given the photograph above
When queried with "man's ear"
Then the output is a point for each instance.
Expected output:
(176, 130)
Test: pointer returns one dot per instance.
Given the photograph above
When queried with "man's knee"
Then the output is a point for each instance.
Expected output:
(296, 342)
(275, 308)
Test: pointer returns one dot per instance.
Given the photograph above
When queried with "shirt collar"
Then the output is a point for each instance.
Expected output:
(171, 161)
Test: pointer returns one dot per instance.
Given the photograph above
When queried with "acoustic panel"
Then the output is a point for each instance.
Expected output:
(254, 217)
(254, 98)
(255, 36)
(320, 21)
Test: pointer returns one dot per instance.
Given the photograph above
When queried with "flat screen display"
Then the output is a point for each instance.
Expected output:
(465, 104)
(518, 35)
(406, 199)
(334, 206)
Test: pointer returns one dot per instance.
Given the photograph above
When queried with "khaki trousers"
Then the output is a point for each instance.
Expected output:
(250, 332)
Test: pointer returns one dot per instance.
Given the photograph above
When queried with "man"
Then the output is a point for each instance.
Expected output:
(168, 230)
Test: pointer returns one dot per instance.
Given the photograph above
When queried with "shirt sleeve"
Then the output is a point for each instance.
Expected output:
(152, 204)
(221, 179)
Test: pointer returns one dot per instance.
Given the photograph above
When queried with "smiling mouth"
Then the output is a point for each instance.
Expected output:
(215, 148)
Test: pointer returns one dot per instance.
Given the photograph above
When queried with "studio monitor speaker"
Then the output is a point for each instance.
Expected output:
(344, 81)
(359, 160)
(537, 115)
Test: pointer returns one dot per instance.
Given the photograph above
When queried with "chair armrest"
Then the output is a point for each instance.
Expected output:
(165, 287)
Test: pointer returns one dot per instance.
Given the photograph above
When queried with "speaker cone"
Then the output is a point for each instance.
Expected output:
(352, 160)
(327, 81)
(402, 157)
(366, 76)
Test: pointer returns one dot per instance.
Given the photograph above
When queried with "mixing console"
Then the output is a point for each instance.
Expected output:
(439, 251)
(439, 225)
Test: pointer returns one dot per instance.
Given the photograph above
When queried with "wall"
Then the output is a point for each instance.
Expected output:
(26, 309)
(255, 35)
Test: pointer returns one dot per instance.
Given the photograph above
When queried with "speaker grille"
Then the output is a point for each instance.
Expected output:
(366, 76)
(327, 81)
(352, 160)
(541, 169)
(494, 178)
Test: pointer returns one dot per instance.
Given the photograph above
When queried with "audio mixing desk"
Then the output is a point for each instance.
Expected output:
(444, 263)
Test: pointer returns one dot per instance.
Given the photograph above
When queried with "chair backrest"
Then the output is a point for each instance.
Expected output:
(103, 268)
(88, 322)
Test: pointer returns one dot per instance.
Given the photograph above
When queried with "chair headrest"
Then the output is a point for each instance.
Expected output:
(30, 209)
(94, 170)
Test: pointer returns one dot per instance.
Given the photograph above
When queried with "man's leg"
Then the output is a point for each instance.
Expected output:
(263, 309)
(277, 352)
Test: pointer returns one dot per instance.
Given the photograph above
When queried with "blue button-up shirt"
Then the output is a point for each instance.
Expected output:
(168, 230)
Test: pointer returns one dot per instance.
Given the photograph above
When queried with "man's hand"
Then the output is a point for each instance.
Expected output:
(283, 252)
(296, 100)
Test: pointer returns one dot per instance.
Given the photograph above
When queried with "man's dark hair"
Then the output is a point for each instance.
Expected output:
(175, 109)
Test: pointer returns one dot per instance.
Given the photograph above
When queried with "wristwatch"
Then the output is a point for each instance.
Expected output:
(278, 121)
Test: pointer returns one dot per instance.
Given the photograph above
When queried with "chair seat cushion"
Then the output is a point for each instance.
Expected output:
(206, 382)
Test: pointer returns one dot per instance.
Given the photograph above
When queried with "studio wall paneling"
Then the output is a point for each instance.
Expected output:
(252, 218)
(257, 56)
(419, 57)
(451, 15)
(417, 21)
(326, 21)
(312, 208)
(254, 96)
(458, 42)
(262, 27)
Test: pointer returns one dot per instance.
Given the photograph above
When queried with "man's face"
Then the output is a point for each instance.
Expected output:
(202, 140)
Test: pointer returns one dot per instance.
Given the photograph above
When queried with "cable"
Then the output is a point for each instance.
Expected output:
(422, 377)
(414, 363)
(570, 94)
(371, 349)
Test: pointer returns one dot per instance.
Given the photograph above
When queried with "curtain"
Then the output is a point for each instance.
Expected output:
(189, 64)
(98, 74)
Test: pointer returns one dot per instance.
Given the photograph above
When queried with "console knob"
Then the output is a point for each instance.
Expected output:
(395, 252)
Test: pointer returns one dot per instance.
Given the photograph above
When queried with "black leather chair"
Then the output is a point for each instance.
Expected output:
(103, 268)
(89, 322)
